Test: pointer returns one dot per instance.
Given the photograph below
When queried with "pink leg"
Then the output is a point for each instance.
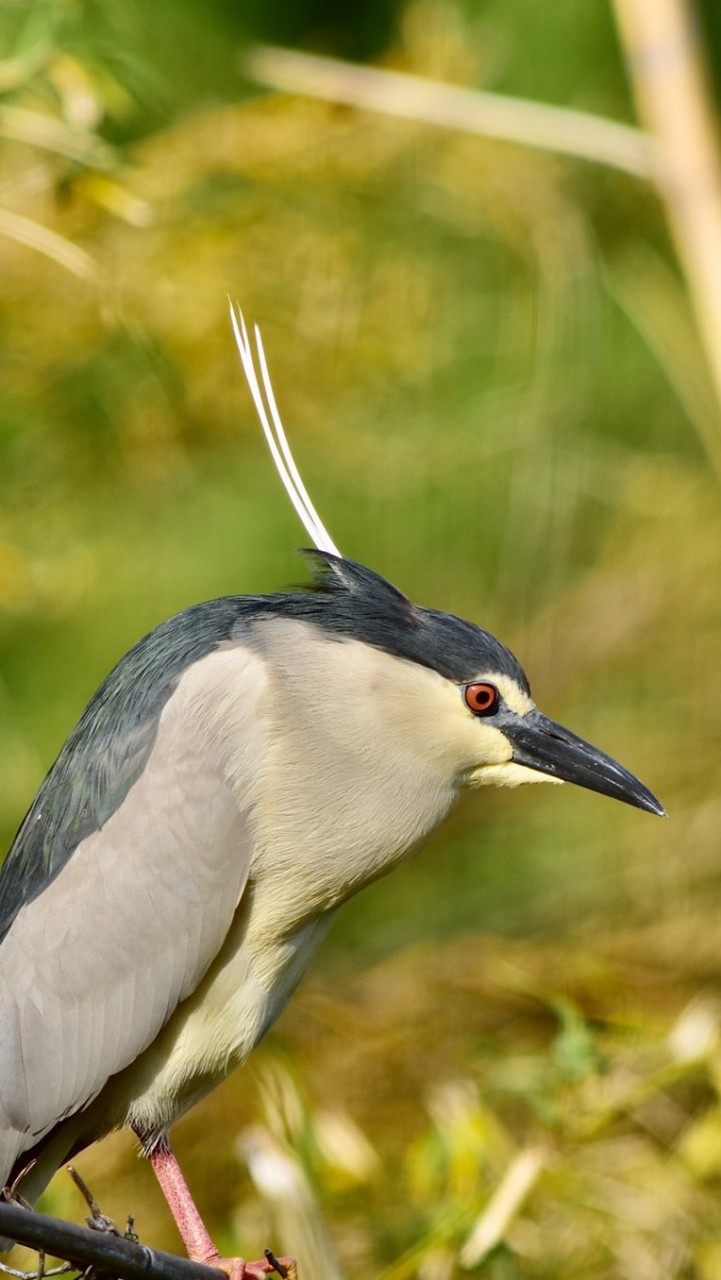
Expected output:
(199, 1246)
(193, 1230)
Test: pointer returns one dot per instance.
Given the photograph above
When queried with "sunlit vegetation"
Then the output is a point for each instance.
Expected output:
(491, 375)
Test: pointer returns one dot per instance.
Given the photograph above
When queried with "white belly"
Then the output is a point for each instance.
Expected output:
(215, 1029)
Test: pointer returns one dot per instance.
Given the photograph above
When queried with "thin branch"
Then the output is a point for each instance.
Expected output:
(42, 1272)
(491, 115)
(98, 1220)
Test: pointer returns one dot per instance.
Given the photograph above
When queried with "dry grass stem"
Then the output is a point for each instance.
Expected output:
(409, 97)
(674, 104)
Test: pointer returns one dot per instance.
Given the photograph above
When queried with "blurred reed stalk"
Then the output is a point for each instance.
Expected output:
(503, 1206)
(283, 1184)
(61, 250)
(671, 90)
(448, 106)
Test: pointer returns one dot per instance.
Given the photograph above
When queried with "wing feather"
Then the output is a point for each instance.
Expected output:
(108, 749)
(94, 965)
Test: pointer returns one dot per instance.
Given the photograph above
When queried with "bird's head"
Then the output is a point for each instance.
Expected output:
(474, 695)
(447, 682)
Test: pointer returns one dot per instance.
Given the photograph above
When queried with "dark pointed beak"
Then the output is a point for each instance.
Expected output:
(540, 743)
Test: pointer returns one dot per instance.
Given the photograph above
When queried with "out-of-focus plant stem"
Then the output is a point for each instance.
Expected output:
(61, 250)
(670, 87)
(38, 129)
(503, 1206)
(492, 115)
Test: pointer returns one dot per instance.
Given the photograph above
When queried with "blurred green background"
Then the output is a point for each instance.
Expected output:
(491, 376)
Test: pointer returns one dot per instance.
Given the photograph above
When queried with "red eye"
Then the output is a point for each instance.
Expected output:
(482, 699)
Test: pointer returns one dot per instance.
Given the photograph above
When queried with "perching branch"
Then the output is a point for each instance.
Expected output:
(110, 1254)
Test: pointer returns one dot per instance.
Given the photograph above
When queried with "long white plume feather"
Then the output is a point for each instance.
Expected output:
(267, 411)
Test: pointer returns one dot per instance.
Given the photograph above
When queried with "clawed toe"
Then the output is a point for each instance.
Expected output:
(239, 1269)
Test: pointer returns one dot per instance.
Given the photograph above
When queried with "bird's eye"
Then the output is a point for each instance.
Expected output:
(481, 698)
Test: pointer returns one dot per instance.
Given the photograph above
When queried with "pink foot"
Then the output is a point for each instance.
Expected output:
(239, 1269)
(193, 1230)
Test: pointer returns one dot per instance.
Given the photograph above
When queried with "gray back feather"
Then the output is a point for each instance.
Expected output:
(107, 751)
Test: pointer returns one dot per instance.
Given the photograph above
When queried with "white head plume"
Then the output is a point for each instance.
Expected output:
(267, 411)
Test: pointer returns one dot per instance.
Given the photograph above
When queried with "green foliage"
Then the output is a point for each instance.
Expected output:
(490, 375)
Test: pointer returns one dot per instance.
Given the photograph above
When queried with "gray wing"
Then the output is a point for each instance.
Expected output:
(107, 750)
(125, 924)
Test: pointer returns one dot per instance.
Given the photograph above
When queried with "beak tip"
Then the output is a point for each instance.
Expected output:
(659, 810)
(646, 800)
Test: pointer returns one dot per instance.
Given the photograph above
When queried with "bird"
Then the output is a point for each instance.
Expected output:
(246, 768)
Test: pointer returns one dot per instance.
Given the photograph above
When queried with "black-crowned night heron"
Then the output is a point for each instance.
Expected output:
(244, 769)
